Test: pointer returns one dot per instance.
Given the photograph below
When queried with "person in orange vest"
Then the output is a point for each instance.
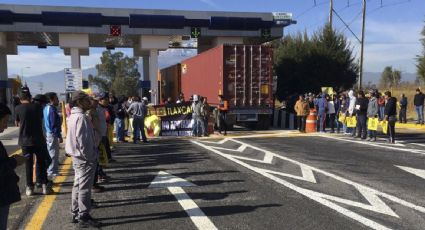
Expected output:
(223, 107)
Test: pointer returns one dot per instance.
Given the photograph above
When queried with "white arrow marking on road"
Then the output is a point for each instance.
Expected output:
(174, 185)
(371, 195)
(417, 172)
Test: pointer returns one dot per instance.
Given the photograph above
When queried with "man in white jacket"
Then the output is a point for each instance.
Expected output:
(80, 144)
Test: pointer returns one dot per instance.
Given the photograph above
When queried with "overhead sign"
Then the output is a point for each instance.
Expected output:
(195, 32)
(73, 80)
(282, 16)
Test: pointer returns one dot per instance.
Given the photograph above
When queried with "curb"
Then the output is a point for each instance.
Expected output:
(409, 126)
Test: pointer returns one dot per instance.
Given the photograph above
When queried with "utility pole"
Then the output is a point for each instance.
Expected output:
(362, 45)
(331, 10)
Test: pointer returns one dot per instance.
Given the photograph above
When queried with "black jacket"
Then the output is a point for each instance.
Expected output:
(9, 190)
(419, 99)
(361, 106)
(391, 107)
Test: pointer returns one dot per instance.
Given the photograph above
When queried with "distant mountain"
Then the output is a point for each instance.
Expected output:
(51, 82)
(374, 77)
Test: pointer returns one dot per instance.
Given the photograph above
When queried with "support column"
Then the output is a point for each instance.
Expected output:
(153, 44)
(3, 78)
(153, 72)
(75, 58)
(146, 68)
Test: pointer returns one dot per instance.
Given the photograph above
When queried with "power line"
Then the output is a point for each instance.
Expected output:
(309, 9)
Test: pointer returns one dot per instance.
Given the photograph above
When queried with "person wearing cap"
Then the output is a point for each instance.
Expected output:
(81, 145)
(29, 119)
(138, 110)
(52, 124)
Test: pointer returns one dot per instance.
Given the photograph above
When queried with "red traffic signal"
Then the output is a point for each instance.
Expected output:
(115, 31)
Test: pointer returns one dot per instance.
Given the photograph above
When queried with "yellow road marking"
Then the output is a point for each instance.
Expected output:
(43, 209)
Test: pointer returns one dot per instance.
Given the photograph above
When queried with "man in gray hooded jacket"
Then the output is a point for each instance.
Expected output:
(80, 144)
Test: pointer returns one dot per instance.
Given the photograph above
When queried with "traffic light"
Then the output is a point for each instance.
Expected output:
(195, 32)
(115, 31)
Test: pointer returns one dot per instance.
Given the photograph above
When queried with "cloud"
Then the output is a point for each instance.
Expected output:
(390, 44)
(210, 3)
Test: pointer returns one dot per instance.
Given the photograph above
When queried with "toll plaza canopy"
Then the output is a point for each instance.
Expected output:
(148, 31)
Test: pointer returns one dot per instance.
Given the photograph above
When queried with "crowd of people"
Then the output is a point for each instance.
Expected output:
(334, 110)
(92, 120)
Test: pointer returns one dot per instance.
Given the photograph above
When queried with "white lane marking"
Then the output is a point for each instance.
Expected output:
(377, 145)
(174, 185)
(217, 143)
(417, 172)
(152, 155)
(423, 145)
(372, 195)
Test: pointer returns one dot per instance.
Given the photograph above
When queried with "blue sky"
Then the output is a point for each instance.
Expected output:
(392, 29)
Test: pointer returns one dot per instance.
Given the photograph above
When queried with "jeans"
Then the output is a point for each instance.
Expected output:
(381, 112)
(83, 183)
(119, 123)
(222, 122)
(361, 126)
(198, 127)
(420, 112)
(402, 115)
(391, 128)
(39, 152)
(4, 213)
(301, 120)
(205, 125)
(139, 127)
(322, 121)
(53, 148)
(372, 134)
(332, 121)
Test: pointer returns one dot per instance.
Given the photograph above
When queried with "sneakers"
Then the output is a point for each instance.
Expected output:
(74, 218)
(29, 191)
(47, 190)
(87, 221)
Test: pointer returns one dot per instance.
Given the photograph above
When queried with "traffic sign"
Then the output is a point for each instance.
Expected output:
(195, 32)
(73, 79)
(282, 16)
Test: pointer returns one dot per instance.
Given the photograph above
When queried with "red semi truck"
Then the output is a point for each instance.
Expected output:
(241, 73)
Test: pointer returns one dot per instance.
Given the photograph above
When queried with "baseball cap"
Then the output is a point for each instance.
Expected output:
(78, 95)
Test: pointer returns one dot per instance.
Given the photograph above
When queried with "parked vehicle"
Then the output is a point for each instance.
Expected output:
(241, 73)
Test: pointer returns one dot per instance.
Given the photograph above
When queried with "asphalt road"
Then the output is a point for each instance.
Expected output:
(271, 181)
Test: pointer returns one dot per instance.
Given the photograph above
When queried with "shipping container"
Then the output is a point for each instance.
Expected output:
(241, 73)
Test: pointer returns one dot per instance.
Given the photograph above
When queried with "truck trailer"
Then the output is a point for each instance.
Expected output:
(241, 73)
